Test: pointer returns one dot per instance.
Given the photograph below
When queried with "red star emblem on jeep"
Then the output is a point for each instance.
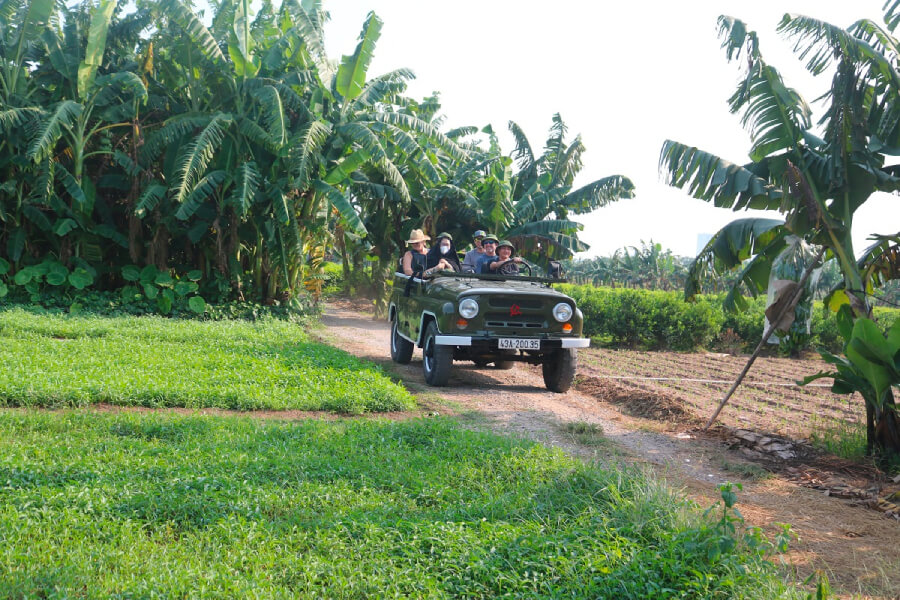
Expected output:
(515, 310)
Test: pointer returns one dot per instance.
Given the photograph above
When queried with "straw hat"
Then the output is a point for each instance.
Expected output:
(417, 235)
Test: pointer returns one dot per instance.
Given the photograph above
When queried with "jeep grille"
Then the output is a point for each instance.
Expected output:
(506, 302)
(523, 321)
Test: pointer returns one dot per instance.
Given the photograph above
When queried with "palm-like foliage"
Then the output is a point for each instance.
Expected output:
(817, 183)
(236, 147)
(75, 109)
(532, 206)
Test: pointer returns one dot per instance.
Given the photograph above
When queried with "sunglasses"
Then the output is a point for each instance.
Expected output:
(488, 242)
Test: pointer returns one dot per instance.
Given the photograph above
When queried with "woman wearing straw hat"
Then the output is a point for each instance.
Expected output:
(414, 258)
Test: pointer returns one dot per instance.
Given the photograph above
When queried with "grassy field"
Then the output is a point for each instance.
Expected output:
(160, 505)
(55, 360)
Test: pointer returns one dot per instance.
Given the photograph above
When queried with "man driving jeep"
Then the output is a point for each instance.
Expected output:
(505, 263)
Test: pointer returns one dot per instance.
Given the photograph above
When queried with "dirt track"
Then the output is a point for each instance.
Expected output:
(857, 547)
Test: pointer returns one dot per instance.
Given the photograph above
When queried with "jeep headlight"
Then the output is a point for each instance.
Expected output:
(562, 312)
(468, 308)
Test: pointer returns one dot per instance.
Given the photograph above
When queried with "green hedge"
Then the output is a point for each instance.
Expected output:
(637, 318)
(643, 318)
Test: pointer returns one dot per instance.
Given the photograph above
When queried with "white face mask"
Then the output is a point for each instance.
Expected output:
(445, 248)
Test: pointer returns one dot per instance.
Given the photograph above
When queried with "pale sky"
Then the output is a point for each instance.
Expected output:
(626, 76)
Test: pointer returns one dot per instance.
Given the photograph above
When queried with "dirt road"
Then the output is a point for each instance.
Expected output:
(855, 546)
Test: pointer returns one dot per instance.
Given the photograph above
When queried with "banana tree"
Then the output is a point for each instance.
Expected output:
(21, 24)
(381, 152)
(226, 164)
(817, 183)
(76, 126)
(531, 206)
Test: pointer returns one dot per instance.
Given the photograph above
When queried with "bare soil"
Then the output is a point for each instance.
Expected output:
(769, 398)
(655, 423)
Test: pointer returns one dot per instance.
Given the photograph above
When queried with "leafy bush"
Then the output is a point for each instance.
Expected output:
(68, 360)
(332, 278)
(49, 275)
(161, 505)
(663, 320)
(114, 305)
(748, 324)
(152, 284)
(653, 319)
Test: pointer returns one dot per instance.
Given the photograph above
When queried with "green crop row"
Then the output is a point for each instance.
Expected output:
(73, 360)
(165, 506)
(660, 320)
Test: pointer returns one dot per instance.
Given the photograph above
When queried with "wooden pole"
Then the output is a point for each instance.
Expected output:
(771, 328)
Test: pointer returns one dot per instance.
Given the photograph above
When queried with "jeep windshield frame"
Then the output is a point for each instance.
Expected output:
(491, 277)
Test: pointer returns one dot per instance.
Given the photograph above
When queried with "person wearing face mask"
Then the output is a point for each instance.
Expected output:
(442, 255)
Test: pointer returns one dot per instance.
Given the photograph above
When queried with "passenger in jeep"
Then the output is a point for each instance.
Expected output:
(414, 258)
(489, 243)
(442, 255)
(505, 263)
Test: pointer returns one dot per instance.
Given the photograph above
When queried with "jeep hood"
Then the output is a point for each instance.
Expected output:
(465, 287)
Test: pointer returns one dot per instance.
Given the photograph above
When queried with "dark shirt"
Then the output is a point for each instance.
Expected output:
(434, 256)
(483, 264)
(418, 261)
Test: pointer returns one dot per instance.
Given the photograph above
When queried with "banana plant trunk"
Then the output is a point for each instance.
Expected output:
(883, 429)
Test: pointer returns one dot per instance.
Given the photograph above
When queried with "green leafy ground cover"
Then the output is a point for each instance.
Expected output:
(160, 505)
(55, 360)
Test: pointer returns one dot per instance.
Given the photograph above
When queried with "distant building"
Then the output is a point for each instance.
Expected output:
(702, 240)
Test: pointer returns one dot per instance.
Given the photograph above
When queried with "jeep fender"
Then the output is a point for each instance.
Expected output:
(426, 318)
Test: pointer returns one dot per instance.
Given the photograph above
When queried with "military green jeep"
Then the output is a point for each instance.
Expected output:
(499, 319)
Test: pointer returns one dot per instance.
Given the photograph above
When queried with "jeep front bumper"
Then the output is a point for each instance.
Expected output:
(491, 343)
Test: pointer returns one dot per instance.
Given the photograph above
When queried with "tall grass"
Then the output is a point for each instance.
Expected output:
(99, 505)
(55, 360)
(841, 438)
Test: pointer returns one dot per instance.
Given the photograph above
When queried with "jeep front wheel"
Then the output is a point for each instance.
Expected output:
(436, 360)
(401, 349)
(559, 369)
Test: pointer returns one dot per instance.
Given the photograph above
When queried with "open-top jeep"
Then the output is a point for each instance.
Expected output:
(499, 319)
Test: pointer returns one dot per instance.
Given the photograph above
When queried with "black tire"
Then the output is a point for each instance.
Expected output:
(437, 361)
(401, 348)
(559, 370)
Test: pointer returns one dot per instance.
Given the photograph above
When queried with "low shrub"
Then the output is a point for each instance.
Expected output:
(642, 318)
(637, 318)
(113, 304)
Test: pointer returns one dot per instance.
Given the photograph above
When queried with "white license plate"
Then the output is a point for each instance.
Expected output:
(518, 344)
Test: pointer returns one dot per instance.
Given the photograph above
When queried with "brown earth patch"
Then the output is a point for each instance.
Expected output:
(646, 404)
(277, 415)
